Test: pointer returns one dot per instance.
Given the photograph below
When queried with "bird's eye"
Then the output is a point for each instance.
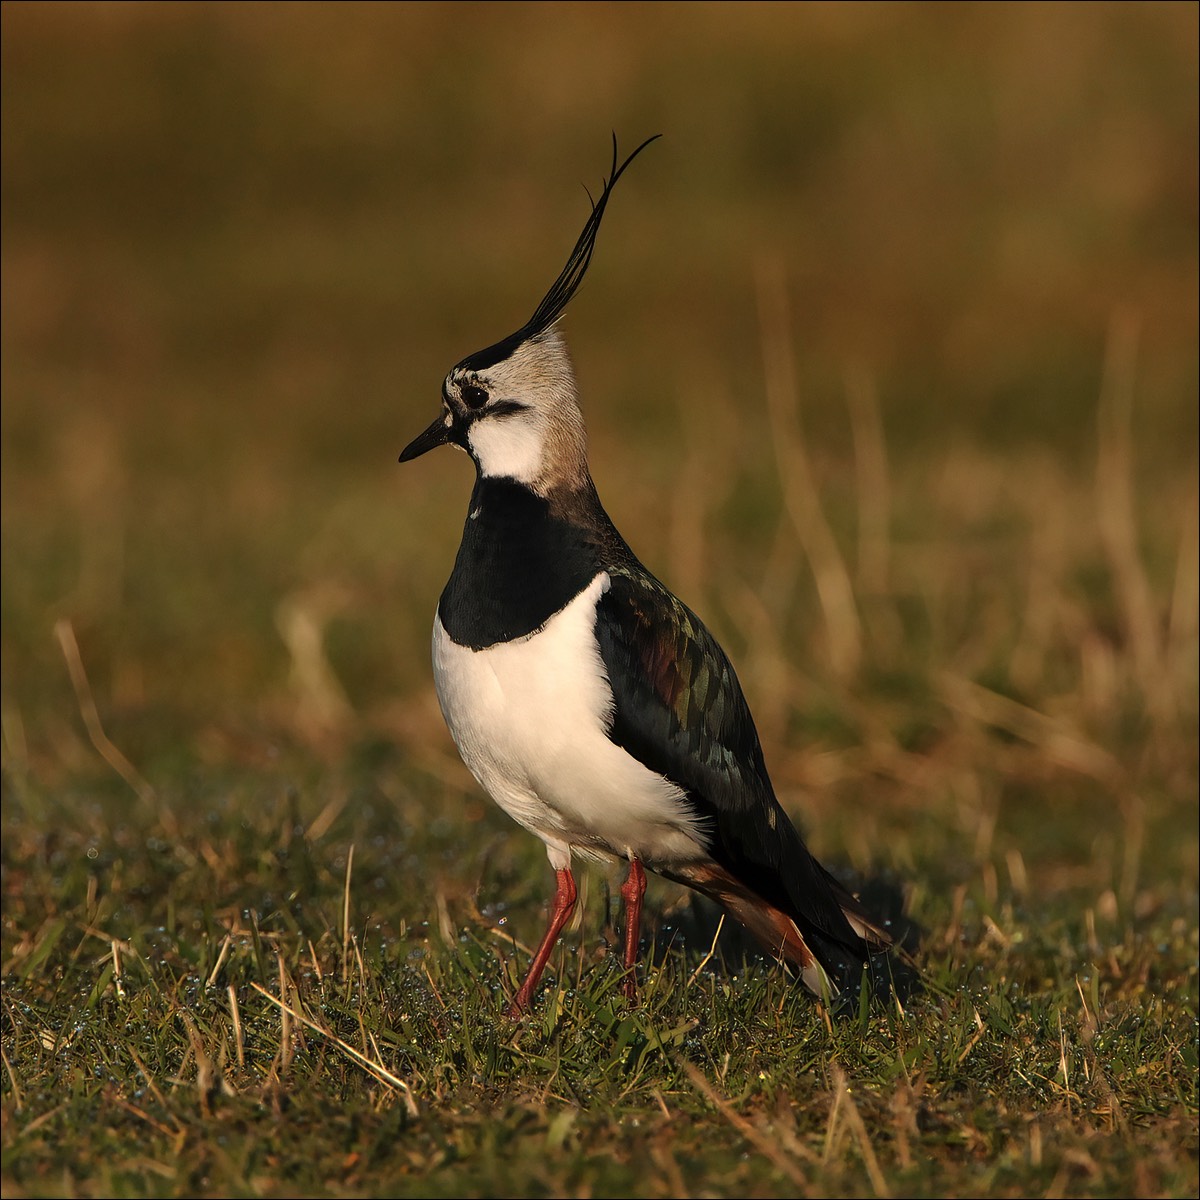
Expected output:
(473, 396)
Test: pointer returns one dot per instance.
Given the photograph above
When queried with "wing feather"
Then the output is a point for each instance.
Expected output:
(679, 709)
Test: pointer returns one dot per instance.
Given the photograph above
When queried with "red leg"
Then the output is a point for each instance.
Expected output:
(632, 890)
(564, 906)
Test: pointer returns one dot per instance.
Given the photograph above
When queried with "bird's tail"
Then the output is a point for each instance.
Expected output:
(826, 963)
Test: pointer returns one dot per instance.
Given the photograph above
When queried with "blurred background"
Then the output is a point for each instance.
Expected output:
(888, 354)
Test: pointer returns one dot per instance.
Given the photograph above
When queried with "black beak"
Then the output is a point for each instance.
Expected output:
(438, 434)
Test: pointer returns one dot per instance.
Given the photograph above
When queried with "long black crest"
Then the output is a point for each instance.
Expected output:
(569, 279)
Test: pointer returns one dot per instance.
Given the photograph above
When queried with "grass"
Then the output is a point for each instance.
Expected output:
(890, 369)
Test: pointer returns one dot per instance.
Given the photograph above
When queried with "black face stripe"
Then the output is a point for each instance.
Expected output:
(507, 408)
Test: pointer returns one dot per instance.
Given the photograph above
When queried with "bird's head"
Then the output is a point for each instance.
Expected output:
(514, 406)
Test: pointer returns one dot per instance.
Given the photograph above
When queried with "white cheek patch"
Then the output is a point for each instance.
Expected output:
(509, 447)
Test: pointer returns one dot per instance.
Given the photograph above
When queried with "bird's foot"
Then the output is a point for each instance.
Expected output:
(630, 987)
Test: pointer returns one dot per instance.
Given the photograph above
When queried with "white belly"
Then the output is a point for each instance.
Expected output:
(530, 719)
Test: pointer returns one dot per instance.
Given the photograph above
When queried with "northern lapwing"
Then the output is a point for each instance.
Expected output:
(592, 705)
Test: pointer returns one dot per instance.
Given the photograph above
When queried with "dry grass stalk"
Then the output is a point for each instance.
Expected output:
(65, 632)
(835, 593)
(872, 482)
(374, 1067)
(1118, 520)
